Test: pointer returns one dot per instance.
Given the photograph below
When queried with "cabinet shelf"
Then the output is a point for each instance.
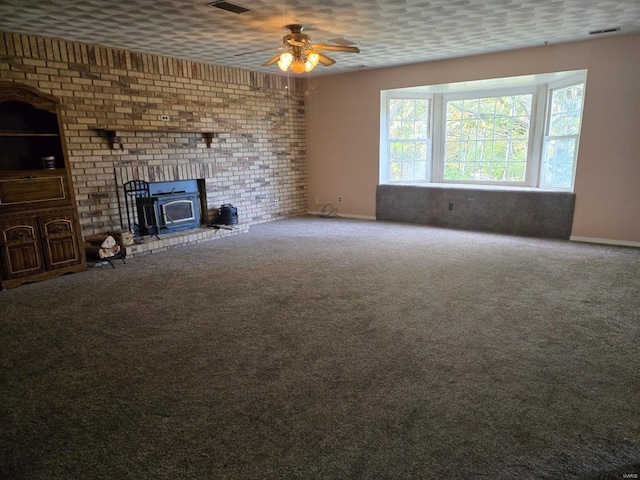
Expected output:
(30, 173)
(27, 134)
(114, 138)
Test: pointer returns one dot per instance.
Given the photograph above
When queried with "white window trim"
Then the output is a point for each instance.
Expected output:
(540, 86)
(439, 178)
(385, 146)
(568, 82)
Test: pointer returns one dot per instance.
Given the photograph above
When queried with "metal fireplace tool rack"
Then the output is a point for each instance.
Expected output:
(134, 190)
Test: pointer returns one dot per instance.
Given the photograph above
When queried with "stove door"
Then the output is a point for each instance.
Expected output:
(178, 212)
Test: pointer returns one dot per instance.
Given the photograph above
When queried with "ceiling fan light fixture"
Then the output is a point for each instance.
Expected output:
(298, 66)
(285, 61)
(313, 57)
(312, 60)
(301, 55)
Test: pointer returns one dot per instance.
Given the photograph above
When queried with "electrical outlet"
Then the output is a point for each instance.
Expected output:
(277, 203)
(164, 118)
(339, 199)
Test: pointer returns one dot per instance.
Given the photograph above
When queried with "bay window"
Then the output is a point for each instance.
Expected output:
(518, 131)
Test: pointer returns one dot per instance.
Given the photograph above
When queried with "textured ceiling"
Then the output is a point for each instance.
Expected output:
(388, 32)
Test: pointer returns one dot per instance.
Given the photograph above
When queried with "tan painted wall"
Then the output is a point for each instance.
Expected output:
(343, 113)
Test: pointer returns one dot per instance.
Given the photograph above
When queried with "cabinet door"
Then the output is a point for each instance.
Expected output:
(21, 255)
(59, 241)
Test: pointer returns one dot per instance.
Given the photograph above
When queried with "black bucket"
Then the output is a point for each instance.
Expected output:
(227, 214)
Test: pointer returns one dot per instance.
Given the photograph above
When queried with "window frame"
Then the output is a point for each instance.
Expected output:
(551, 87)
(477, 94)
(385, 143)
(540, 86)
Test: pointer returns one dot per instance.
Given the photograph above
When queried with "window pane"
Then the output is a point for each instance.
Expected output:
(422, 129)
(559, 156)
(408, 139)
(557, 166)
(566, 110)
(395, 107)
(408, 161)
(486, 139)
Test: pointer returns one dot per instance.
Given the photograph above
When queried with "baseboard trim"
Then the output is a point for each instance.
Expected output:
(573, 238)
(605, 241)
(346, 215)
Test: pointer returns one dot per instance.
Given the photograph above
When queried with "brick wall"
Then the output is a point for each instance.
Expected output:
(257, 143)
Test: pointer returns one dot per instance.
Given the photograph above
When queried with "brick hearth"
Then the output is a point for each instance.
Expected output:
(177, 239)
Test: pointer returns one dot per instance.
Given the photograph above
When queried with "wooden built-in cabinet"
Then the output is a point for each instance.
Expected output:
(39, 227)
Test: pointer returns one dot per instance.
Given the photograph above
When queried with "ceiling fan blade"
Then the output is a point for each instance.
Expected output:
(334, 48)
(326, 61)
(272, 61)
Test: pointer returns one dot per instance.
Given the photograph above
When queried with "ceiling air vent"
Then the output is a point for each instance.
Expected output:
(229, 7)
(605, 30)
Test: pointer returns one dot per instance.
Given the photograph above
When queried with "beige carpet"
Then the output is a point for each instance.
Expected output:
(329, 348)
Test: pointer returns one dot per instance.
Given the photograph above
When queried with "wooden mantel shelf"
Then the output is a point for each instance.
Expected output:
(116, 143)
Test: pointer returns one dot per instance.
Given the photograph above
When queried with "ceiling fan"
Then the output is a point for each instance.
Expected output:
(300, 55)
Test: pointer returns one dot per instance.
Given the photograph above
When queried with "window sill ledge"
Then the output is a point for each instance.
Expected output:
(468, 186)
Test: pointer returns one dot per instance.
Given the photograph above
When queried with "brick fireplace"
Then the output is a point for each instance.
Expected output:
(132, 116)
(147, 211)
(160, 177)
